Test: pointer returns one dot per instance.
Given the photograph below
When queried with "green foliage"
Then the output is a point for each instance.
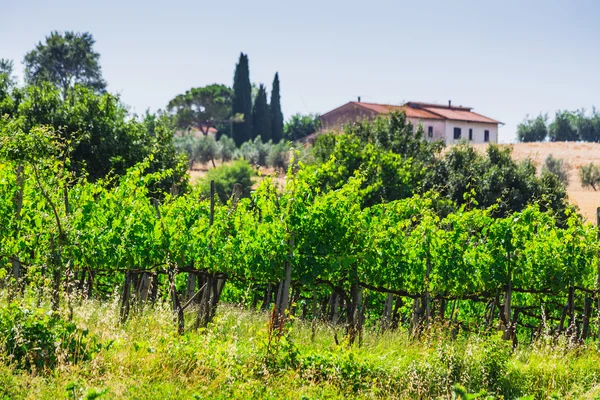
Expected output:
(277, 130)
(466, 177)
(558, 167)
(205, 150)
(255, 152)
(561, 129)
(242, 101)
(300, 126)
(590, 176)
(97, 132)
(278, 156)
(225, 177)
(202, 107)
(65, 59)
(35, 339)
(261, 118)
(533, 130)
(226, 148)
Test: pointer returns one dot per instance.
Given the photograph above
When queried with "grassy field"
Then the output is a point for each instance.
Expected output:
(237, 358)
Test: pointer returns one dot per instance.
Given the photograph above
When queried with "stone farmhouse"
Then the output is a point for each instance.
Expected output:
(440, 122)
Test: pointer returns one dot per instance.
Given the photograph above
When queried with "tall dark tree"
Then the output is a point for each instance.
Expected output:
(242, 101)
(261, 119)
(65, 60)
(276, 114)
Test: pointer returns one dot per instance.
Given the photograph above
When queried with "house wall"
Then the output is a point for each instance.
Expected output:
(439, 127)
(335, 120)
(478, 131)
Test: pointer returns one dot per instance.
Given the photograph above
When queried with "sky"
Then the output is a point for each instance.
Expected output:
(506, 59)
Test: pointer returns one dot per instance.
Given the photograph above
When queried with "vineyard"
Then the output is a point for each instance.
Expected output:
(309, 254)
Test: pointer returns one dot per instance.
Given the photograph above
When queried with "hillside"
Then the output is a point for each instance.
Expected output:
(576, 154)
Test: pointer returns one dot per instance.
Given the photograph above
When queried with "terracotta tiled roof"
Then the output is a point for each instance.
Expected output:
(461, 115)
(420, 110)
(387, 108)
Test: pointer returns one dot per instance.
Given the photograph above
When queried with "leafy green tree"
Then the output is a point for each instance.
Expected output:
(276, 114)
(558, 167)
(300, 126)
(590, 176)
(242, 101)
(585, 127)
(100, 134)
(261, 119)
(202, 108)
(533, 130)
(562, 129)
(6, 70)
(468, 178)
(65, 60)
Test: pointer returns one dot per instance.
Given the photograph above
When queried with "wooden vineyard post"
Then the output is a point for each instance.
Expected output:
(16, 264)
(598, 276)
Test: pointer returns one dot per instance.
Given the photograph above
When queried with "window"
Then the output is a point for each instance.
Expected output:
(456, 133)
(430, 131)
(470, 134)
(486, 136)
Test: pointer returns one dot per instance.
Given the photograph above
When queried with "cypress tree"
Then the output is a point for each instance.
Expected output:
(242, 101)
(276, 114)
(261, 120)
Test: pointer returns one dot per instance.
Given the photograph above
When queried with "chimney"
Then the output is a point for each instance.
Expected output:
(359, 99)
(449, 103)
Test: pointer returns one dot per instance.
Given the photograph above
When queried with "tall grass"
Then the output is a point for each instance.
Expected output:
(234, 358)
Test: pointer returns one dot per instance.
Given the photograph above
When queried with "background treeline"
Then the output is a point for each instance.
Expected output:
(567, 126)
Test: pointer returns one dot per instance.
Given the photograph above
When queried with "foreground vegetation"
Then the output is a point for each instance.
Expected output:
(235, 357)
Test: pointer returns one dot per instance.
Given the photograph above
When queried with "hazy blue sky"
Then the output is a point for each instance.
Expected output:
(504, 58)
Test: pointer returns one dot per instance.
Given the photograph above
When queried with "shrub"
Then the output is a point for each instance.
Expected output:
(558, 167)
(279, 155)
(226, 148)
(206, 150)
(36, 339)
(590, 176)
(225, 177)
(256, 152)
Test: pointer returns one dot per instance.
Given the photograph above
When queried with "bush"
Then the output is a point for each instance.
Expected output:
(558, 167)
(256, 152)
(279, 155)
(225, 177)
(206, 150)
(590, 176)
(226, 148)
(35, 339)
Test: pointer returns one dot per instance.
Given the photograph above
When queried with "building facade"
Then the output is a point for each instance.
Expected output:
(440, 122)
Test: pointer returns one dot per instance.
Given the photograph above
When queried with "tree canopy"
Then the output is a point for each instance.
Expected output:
(533, 130)
(65, 59)
(202, 107)
(300, 126)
